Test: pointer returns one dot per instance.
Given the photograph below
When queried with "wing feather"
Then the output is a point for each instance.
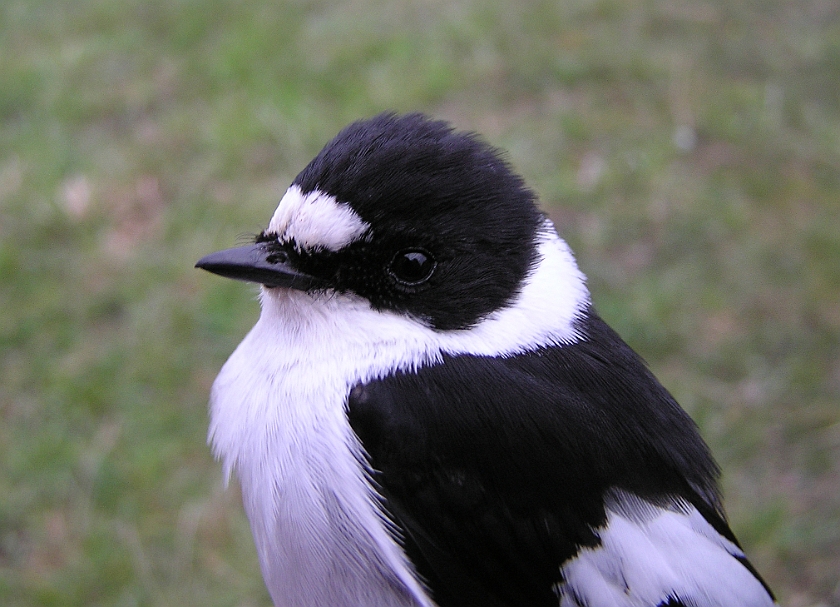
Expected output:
(499, 470)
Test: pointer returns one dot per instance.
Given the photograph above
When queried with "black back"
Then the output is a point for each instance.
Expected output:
(497, 468)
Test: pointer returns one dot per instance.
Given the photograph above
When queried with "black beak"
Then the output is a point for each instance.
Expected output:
(256, 263)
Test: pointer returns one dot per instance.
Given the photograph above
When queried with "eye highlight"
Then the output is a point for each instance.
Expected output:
(412, 266)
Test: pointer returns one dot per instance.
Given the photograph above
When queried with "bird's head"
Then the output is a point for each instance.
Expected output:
(406, 213)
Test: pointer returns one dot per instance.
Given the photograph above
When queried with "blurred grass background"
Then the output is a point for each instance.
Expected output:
(689, 151)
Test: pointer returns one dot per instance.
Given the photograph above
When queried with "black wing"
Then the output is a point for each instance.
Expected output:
(496, 469)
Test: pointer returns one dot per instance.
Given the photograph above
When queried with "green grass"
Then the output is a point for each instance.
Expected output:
(689, 152)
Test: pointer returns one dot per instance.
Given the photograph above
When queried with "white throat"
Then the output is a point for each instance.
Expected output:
(278, 420)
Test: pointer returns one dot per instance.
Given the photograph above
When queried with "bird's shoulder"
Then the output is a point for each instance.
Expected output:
(499, 470)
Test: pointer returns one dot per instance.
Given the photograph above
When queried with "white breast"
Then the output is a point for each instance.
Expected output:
(278, 421)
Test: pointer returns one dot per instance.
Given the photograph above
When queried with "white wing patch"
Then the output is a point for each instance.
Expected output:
(649, 554)
(316, 220)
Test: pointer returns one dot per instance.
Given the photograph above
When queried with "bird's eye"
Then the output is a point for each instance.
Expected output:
(412, 266)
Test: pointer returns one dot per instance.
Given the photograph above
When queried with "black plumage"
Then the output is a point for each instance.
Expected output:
(506, 474)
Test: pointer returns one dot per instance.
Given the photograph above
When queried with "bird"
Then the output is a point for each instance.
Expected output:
(429, 411)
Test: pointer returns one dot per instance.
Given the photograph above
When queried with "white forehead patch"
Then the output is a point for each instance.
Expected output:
(316, 220)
